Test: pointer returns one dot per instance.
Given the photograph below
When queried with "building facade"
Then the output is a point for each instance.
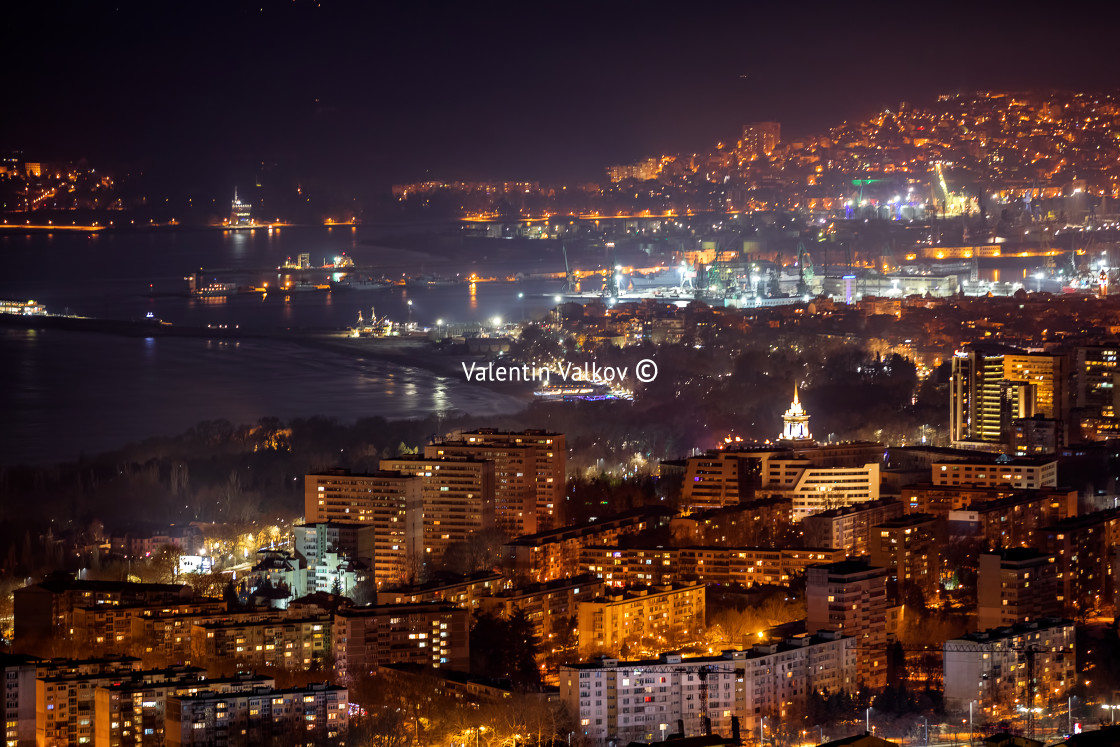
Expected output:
(850, 598)
(658, 616)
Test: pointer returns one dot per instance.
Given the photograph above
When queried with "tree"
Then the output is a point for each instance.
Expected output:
(506, 648)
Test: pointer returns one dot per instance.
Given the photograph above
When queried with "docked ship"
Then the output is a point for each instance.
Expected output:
(198, 285)
(240, 213)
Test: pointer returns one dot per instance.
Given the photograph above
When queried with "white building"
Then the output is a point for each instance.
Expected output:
(645, 700)
(993, 667)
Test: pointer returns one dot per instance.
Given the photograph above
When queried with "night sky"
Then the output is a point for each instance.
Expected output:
(372, 93)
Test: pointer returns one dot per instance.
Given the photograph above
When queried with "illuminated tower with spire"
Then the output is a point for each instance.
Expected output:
(795, 423)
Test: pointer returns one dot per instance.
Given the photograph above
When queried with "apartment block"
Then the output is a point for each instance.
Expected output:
(1084, 550)
(1022, 473)
(132, 713)
(281, 642)
(467, 591)
(850, 597)
(645, 700)
(994, 667)
(761, 522)
(316, 714)
(1017, 585)
(432, 635)
(909, 547)
(529, 470)
(1057, 503)
(458, 498)
(625, 618)
(21, 674)
(18, 672)
(720, 478)
(551, 607)
(1015, 521)
(65, 704)
(555, 554)
(45, 610)
(389, 507)
(849, 528)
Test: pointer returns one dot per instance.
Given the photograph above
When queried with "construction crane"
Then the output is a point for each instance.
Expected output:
(571, 282)
(804, 273)
(719, 274)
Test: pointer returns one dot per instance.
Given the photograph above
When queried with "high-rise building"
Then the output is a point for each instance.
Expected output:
(1094, 375)
(1016, 585)
(388, 505)
(530, 469)
(991, 386)
(458, 498)
(760, 138)
(850, 597)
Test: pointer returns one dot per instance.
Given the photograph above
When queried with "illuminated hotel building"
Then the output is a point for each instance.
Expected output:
(992, 386)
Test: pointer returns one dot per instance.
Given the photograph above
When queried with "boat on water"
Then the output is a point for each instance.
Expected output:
(359, 284)
(240, 214)
(431, 281)
(578, 391)
(198, 285)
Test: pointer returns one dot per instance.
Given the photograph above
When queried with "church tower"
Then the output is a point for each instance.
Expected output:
(795, 424)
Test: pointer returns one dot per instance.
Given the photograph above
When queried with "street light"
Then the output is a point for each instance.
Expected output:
(867, 717)
(410, 312)
(970, 731)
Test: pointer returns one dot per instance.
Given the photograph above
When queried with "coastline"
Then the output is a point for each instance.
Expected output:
(412, 352)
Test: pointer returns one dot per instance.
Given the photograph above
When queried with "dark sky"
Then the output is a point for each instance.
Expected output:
(378, 92)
